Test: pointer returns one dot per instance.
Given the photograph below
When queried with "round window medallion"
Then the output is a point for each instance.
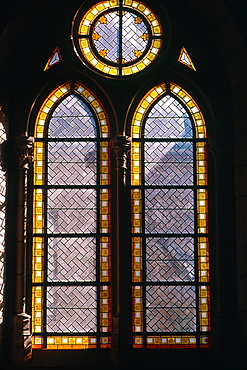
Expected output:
(118, 40)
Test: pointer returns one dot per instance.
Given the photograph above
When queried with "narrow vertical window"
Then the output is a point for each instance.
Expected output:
(71, 242)
(170, 269)
(2, 227)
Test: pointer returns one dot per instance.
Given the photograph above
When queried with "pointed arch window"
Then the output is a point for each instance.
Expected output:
(170, 247)
(71, 224)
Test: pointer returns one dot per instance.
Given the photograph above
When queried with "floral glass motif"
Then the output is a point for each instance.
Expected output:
(71, 299)
(171, 291)
(118, 39)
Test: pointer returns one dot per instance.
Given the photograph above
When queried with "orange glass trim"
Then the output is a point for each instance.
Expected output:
(171, 341)
(142, 108)
(49, 102)
(105, 219)
(37, 342)
(202, 218)
(96, 106)
(105, 259)
(185, 59)
(105, 342)
(138, 341)
(137, 311)
(205, 341)
(71, 342)
(105, 308)
(202, 211)
(54, 58)
(136, 211)
(203, 260)
(75, 342)
(149, 15)
(135, 163)
(204, 308)
(87, 52)
(38, 260)
(37, 309)
(104, 163)
(137, 260)
(143, 63)
(201, 163)
(193, 108)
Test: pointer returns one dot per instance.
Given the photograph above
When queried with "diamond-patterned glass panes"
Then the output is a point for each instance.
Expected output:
(72, 118)
(106, 36)
(169, 211)
(2, 226)
(72, 222)
(171, 308)
(71, 309)
(168, 163)
(170, 259)
(169, 200)
(168, 119)
(71, 211)
(71, 259)
(81, 157)
(118, 39)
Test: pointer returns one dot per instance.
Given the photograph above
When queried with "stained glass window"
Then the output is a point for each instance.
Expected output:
(118, 38)
(71, 306)
(54, 59)
(170, 245)
(185, 58)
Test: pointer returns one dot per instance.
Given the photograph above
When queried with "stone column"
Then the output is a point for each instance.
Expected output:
(121, 251)
(21, 346)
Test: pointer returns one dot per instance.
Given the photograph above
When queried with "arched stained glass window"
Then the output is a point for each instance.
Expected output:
(170, 269)
(71, 222)
(118, 38)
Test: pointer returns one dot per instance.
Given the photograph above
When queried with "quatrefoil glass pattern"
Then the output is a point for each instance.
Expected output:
(118, 39)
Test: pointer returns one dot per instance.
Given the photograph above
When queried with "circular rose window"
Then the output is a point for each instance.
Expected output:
(118, 40)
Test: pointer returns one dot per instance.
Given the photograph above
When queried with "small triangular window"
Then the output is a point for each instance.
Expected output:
(185, 58)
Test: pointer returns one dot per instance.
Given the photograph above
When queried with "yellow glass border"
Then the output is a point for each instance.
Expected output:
(201, 208)
(180, 58)
(91, 58)
(70, 342)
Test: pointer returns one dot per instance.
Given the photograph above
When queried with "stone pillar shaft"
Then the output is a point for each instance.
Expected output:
(21, 321)
(121, 276)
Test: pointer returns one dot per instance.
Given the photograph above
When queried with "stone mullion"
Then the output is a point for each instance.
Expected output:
(121, 272)
(21, 345)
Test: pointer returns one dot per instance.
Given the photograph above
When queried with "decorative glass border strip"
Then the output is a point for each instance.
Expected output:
(71, 342)
(183, 341)
(91, 58)
(193, 108)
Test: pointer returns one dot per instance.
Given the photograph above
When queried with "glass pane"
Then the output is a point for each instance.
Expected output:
(71, 259)
(134, 38)
(169, 211)
(168, 119)
(72, 163)
(72, 119)
(168, 163)
(170, 259)
(71, 211)
(106, 36)
(71, 309)
(171, 308)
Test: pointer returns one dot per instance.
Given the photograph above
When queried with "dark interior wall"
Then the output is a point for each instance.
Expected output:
(214, 32)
